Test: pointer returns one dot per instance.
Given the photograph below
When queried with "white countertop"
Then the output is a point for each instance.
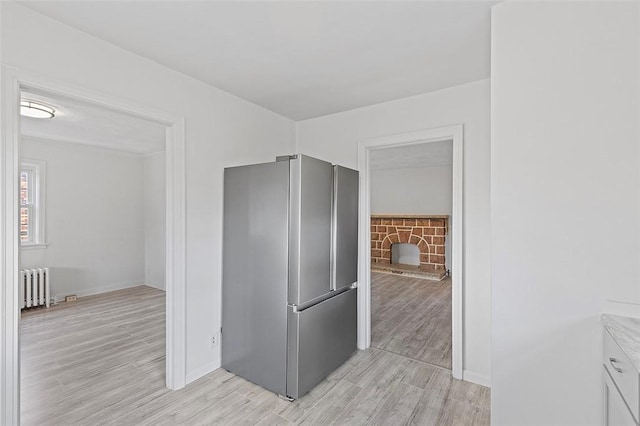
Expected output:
(626, 332)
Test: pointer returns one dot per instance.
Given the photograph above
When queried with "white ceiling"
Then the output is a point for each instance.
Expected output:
(88, 124)
(300, 59)
(421, 155)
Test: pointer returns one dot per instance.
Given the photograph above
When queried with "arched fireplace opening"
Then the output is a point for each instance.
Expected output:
(405, 254)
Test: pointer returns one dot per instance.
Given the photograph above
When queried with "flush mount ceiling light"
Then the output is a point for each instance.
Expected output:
(36, 109)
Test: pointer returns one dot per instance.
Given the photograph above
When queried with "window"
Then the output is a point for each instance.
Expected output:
(32, 203)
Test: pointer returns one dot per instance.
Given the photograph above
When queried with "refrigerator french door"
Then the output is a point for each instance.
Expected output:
(289, 272)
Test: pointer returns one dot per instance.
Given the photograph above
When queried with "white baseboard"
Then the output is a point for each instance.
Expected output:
(155, 285)
(202, 371)
(97, 290)
(479, 379)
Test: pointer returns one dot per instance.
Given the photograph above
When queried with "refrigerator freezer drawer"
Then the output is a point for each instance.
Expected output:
(320, 339)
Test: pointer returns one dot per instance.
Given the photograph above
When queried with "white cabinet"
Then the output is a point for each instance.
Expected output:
(616, 412)
(621, 386)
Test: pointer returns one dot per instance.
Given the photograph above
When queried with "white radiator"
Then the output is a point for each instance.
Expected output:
(35, 288)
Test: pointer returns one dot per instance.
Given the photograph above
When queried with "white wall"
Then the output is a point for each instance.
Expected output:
(221, 130)
(565, 169)
(335, 138)
(94, 218)
(155, 219)
(413, 190)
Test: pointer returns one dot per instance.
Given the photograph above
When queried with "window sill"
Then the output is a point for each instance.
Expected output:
(39, 246)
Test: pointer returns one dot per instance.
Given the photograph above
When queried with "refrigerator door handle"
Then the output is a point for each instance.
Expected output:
(324, 297)
(334, 229)
(344, 233)
(345, 288)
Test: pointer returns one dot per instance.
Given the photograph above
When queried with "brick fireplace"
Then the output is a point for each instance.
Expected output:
(426, 232)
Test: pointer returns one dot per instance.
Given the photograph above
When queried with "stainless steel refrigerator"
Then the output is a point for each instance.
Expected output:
(290, 258)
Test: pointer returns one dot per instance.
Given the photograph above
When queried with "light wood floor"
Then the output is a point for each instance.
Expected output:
(101, 361)
(412, 317)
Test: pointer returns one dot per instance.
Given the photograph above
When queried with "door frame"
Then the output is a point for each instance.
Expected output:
(13, 81)
(454, 133)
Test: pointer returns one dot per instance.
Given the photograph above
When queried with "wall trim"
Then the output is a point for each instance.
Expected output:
(96, 290)
(194, 375)
(477, 378)
(153, 284)
(13, 80)
(90, 148)
(454, 133)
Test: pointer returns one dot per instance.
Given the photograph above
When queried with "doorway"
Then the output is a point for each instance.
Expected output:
(98, 263)
(14, 82)
(410, 202)
(365, 150)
